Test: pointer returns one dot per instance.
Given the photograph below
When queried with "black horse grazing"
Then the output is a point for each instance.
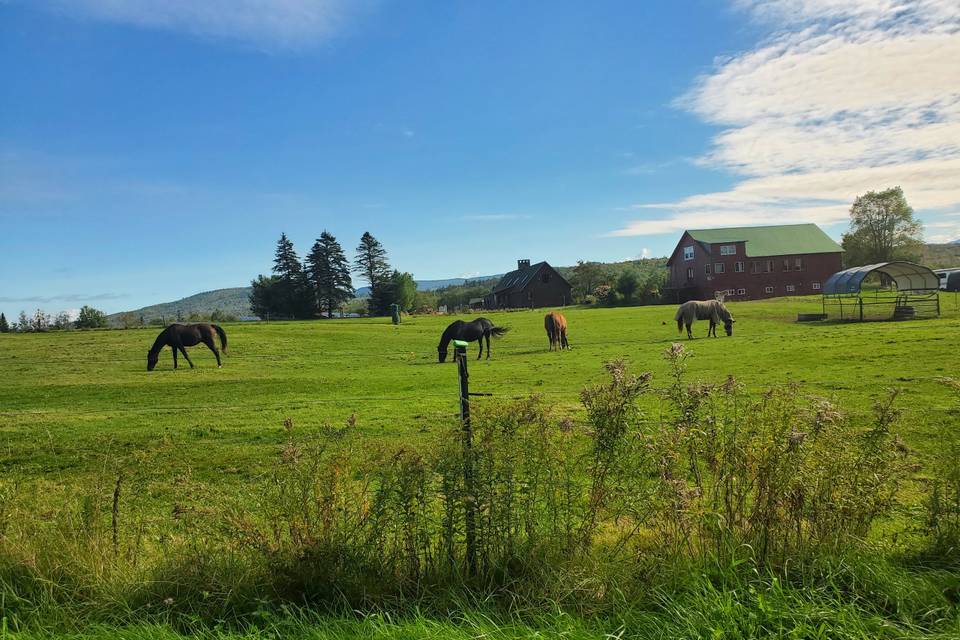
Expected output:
(178, 336)
(469, 331)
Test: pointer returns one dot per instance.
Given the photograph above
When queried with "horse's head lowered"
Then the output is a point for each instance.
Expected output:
(442, 353)
(152, 358)
(728, 325)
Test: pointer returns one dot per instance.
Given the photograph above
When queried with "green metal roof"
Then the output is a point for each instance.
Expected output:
(778, 240)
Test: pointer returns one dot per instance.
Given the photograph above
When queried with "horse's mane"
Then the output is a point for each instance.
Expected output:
(448, 333)
(722, 310)
(690, 308)
(160, 342)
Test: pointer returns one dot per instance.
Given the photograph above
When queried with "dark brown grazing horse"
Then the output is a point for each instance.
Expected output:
(556, 326)
(178, 336)
(478, 330)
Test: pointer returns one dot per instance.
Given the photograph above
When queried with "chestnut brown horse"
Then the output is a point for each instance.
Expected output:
(556, 326)
(178, 336)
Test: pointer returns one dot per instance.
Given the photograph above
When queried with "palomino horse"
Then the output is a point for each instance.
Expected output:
(469, 331)
(712, 310)
(178, 336)
(556, 326)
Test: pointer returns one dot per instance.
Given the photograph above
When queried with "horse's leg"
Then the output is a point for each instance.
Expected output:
(487, 336)
(689, 332)
(480, 344)
(213, 347)
(184, 352)
(174, 349)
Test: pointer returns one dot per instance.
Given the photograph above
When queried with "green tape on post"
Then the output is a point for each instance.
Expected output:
(460, 343)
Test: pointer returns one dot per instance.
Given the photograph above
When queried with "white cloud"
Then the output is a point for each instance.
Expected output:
(856, 95)
(266, 23)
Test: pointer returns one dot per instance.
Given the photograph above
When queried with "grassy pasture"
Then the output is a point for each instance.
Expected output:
(78, 407)
(69, 401)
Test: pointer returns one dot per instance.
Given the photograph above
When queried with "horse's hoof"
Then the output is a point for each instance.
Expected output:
(219, 366)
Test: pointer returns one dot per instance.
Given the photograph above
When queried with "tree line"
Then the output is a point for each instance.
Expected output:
(88, 318)
(321, 284)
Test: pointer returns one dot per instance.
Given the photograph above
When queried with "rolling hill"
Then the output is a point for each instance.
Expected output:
(941, 256)
(235, 301)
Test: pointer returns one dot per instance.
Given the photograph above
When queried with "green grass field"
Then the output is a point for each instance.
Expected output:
(77, 407)
(68, 399)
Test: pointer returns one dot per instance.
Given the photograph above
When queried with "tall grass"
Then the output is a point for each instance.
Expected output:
(724, 511)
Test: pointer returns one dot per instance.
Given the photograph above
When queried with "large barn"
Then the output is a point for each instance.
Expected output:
(748, 263)
(530, 286)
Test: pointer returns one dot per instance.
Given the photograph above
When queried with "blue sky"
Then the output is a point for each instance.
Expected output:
(149, 150)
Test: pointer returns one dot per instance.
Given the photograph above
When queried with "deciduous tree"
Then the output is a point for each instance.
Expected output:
(40, 320)
(587, 276)
(882, 228)
(62, 321)
(90, 318)
(403, 290)
(627, 284)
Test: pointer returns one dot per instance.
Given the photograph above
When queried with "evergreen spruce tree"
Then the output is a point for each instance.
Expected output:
(265, 297)
(294, 298)
(4, 325)
(23, 322)
(328, 272)
(371, 263)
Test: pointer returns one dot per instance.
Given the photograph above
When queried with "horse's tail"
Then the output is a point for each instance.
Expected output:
(679, 318)
(496, 332)
(223, 336)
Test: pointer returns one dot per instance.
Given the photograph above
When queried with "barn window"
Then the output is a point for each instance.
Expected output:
(816, 285)
(791, 288)
(545, 277)
(738, 267)
(718, 267)
(755, 267)
(769, 266)
(798, 264)
(728, 249)
(768, 289)
(741, 292)
(688, 253)
(786, 264)
(706, 268)
(690, 273)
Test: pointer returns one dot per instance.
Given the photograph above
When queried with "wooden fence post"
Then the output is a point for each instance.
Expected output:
(470, 498)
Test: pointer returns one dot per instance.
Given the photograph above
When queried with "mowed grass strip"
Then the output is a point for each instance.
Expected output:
(73, 402)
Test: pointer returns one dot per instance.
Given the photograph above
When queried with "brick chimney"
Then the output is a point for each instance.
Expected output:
(523, 264)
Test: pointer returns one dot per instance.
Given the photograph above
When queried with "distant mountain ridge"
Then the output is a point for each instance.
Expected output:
(235, 301)
(942, 256)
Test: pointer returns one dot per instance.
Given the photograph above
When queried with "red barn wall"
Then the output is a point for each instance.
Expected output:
(756, 281)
